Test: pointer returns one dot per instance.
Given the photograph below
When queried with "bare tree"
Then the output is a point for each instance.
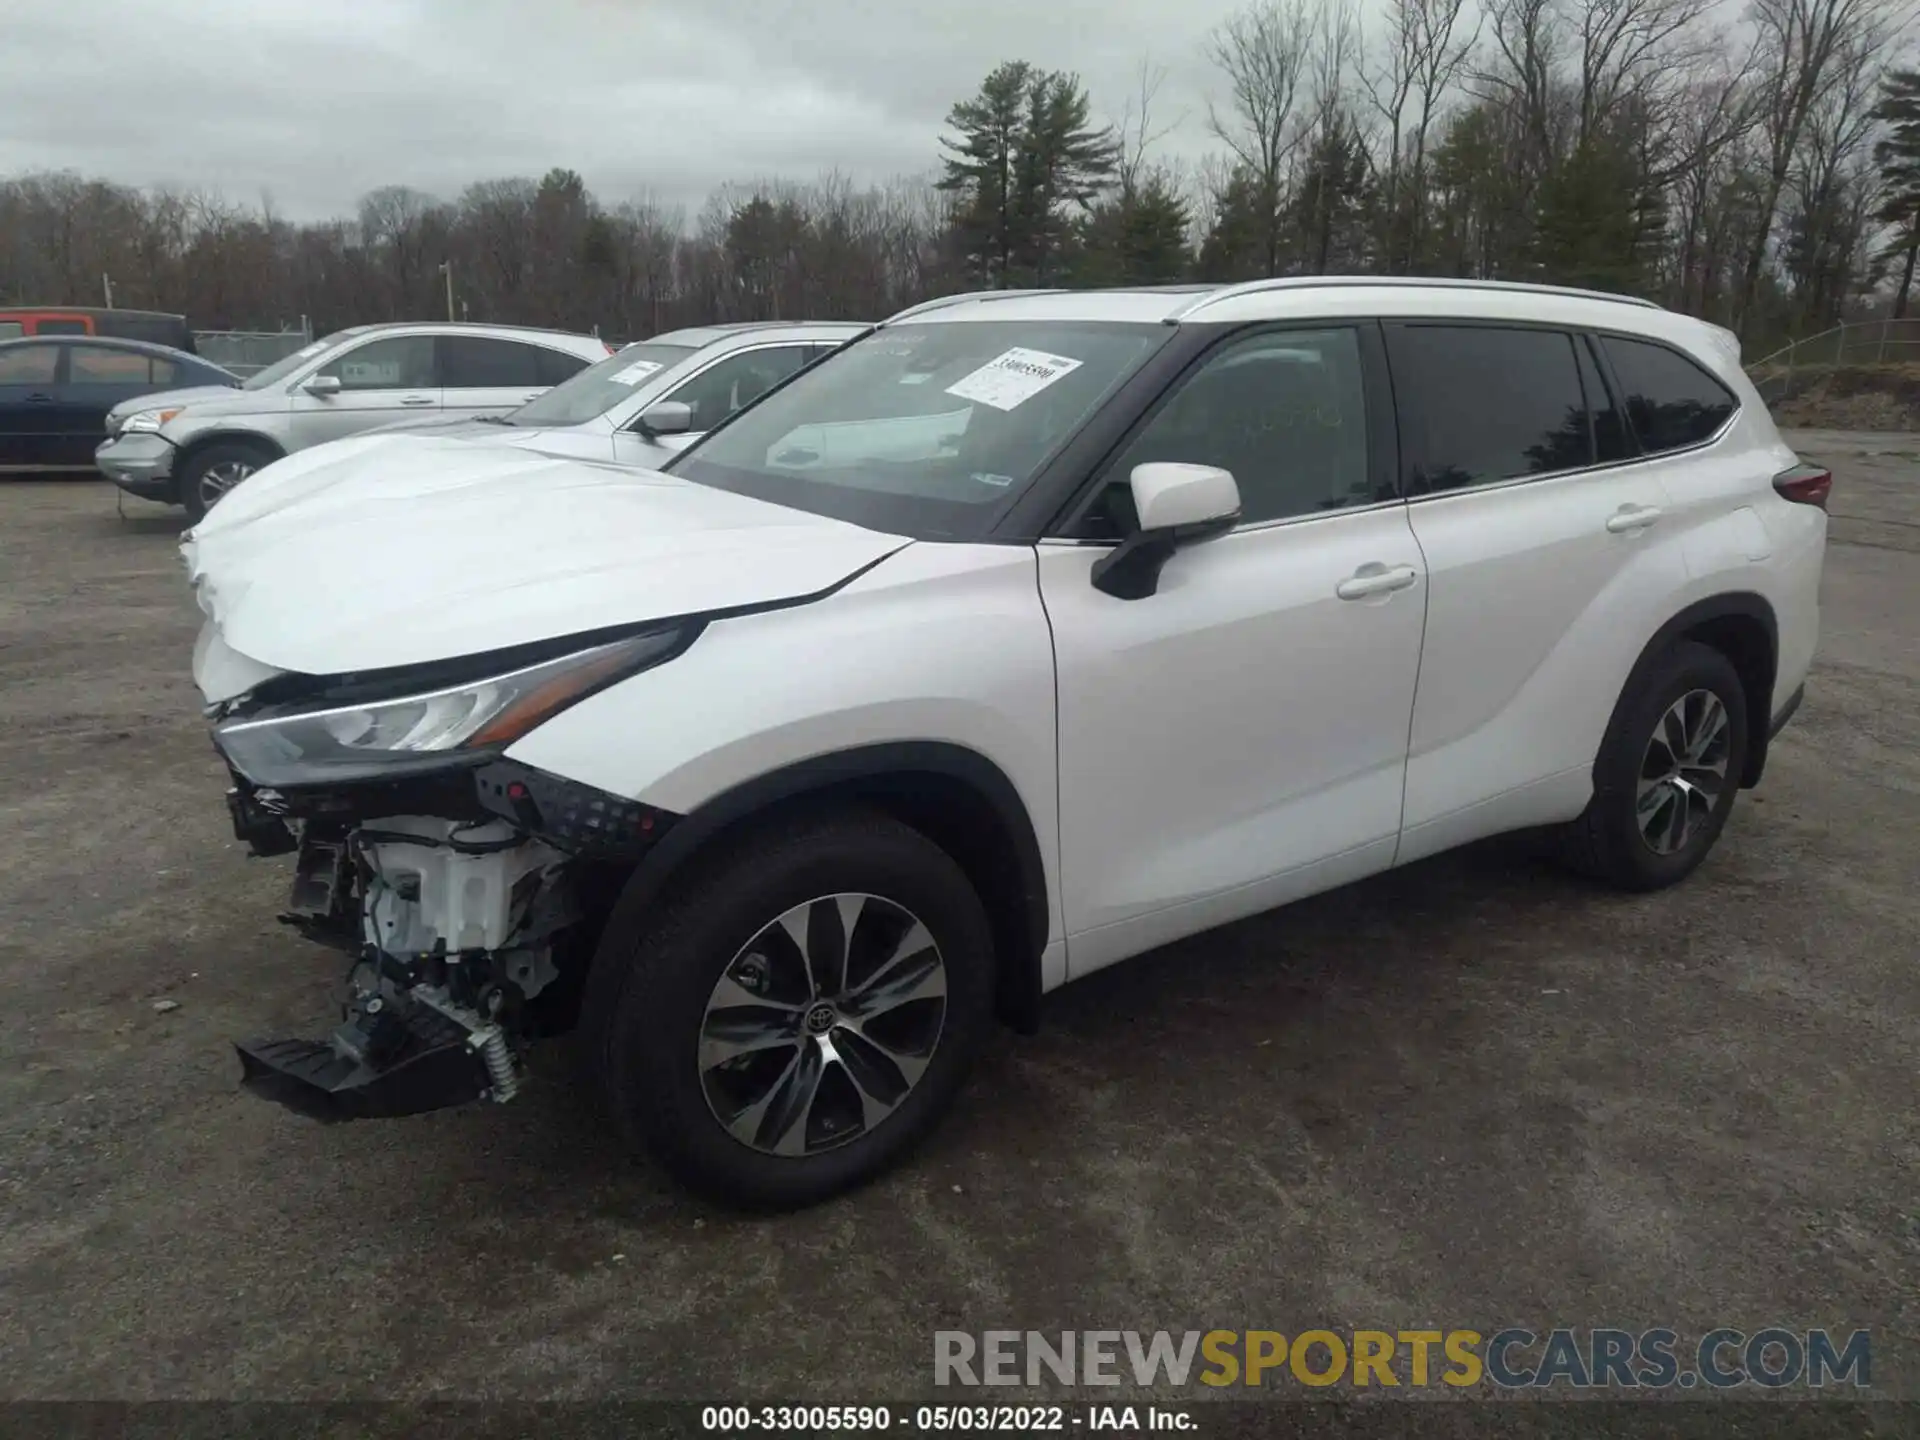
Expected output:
(1427, 45)
(1802, 44)
(1263, 53)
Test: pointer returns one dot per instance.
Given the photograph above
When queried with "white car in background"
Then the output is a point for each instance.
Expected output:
(652, 399)
(190, 447)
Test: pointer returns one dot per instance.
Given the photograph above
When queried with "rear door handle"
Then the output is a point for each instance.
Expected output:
(419, 400)
(1373, 578)
(1629, 518)
(39, 399)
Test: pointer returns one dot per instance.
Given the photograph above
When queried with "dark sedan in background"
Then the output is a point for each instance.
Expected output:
(55, 392)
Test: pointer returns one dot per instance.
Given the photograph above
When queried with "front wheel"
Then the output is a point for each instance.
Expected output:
(1667, 774)
(209, 474)
(800, 1015)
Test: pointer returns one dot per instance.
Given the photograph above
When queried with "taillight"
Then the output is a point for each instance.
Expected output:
(1805, 485)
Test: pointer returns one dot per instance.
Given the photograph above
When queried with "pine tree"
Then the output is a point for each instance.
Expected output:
(1898, 156)
(1026, 160)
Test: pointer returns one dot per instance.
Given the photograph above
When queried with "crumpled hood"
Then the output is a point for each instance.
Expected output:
(400, 549)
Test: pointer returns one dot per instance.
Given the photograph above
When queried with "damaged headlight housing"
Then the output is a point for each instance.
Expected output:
(394, 736)
(148, 422)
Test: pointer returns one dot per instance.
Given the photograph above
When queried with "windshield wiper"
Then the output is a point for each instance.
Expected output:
(493, 420)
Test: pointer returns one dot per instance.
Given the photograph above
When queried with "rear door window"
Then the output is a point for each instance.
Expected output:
(100, 365)
(29, 364)
(1672, 402)
(61, 327)
(1481, 404)
(477, 362)
(557, 365)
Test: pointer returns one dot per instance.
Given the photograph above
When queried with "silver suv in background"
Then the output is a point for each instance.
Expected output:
(652, 399)
(189, 447)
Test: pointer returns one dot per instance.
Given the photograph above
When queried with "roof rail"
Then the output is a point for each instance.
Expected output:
(1307, 282)
(944, 301)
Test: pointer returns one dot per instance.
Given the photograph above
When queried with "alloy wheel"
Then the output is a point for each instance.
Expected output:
(822, 1024)
(216, 480)
(1684, 771)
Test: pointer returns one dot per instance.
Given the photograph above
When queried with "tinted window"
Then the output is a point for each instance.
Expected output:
(61, 327)
(11, 329)
(475, 362)
(557, 365)
(1609, 431)
(165, 372)
(1672, 402)
(404, 362)
(1285, 412)
(1480, 404)
(97, 365)
(737, 381)
(28, 364)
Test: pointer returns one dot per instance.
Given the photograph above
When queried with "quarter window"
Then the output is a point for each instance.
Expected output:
(1672, 402)
(1480, 404)
(1284, 412)
(404, 362)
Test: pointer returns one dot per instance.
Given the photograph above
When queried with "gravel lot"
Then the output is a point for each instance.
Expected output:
(1472, 1093)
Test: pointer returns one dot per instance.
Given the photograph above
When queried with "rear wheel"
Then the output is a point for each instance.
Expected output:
(803, 1012)
(210, 473)
(1667, 773)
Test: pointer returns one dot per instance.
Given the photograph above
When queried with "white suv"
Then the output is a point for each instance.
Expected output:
(1025, 634)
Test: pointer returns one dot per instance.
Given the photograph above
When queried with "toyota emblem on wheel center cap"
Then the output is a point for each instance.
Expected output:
(820, 1019)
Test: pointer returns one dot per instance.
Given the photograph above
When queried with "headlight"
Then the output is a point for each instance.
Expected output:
(429, 730)
(148, 422)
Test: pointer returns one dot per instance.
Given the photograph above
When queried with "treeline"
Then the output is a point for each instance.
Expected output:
(1764, 174)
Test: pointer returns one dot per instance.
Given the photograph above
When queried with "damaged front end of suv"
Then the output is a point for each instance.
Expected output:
(464, 886)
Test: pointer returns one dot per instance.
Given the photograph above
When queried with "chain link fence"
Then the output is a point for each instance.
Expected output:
(1794, 368)
(247, 352)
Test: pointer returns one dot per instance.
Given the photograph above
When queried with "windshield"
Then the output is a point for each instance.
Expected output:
(599, 387)
(280, 369)
(929, 430)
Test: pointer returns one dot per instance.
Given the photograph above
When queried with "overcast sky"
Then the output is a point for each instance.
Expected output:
(314, 102)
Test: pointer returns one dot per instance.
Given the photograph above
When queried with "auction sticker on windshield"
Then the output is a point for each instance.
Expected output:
(636, 372)
(1010, 378)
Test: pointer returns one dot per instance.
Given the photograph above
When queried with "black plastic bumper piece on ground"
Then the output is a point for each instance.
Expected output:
(313, 1079)
(1787, 712)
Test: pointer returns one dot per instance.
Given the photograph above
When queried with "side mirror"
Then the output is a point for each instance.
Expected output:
(322, 385)
(1177, 505)
(667, 417)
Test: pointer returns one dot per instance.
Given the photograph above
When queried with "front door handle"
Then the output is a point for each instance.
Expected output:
(1629, 518)
(38, 399)
(1373, 578)
(419, 400)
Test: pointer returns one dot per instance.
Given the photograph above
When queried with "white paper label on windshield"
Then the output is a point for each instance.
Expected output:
(636, 372)
(1008, 379)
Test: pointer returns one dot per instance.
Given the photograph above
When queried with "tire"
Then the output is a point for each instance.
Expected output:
(1668, 707)
(664, 1023)
(198, 485)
